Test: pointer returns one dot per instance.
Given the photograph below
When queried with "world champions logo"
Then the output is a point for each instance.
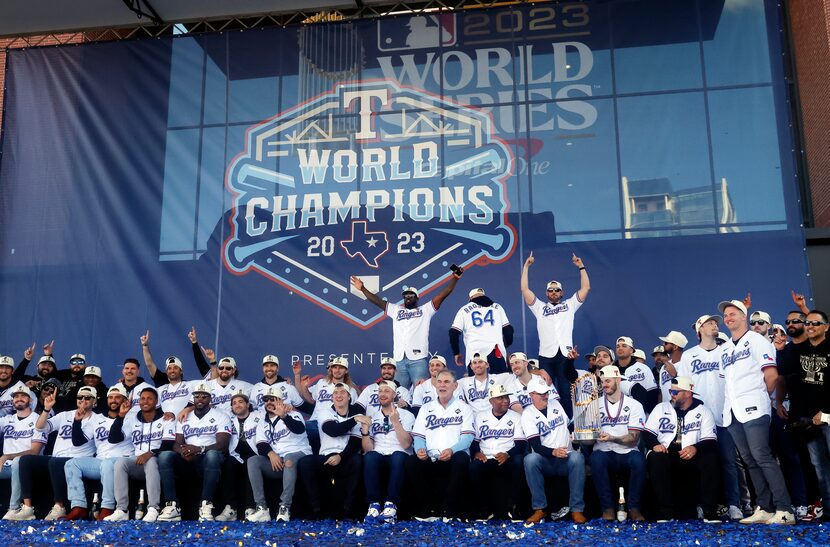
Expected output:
(372, 179)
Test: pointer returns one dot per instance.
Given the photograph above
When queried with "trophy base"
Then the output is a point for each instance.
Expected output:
(587, 438)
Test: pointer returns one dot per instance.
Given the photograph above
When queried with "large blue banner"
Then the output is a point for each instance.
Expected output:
(235, 181)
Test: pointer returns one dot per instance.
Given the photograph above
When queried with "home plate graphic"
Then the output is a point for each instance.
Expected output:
(370, 179)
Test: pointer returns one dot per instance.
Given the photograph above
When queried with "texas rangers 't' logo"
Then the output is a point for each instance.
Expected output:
(371, 179)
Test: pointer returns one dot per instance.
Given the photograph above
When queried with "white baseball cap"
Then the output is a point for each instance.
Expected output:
(87, 391)
(92, 370)
(761, 315)
(639, 354)
(173, 362)
(80, 356)
(478, 357)
(388, 361)
(704, 318)
(201, 387)
(518, 356)
(412, 290)
(736, 303)
(273, 391)
(438, 358)
(553, 285)
(6, 361)
(609, 371)
(240, 393)
(498, 390)
(117, 389)
(21, 388)
(340, 361)
(475, 292)
(387, 383)
(683, 383)
(227, 361)
(722, 336)
(533, 364)
(271, 359)
(606, 349)
(626, 340)
(46, 359)
(658, 349)
(537, 385)
(676, 338)
(340, 386)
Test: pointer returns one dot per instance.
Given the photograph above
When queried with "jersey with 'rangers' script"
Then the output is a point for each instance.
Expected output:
(497, 435)
(441, 427)
(550, 426)
(203, 431)
(704, 368)
(555, 325)
(410, 330)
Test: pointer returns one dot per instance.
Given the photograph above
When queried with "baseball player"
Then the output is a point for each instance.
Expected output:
(637, 379)
(661, 360)
(271, 377)
(201, 444)
(368, 399)
(475, 389)
(426, 392)
(555, 324)
(622, 419)
(497, 457)
(133, 383)
(545, 424)
(486, 331)
(682, 443)
(386, 441)
(173, 389)
(750, 376)
(20, 438)
(9, 385)
(517, 382)
(225, 385)
(442, 436)
(410, 327)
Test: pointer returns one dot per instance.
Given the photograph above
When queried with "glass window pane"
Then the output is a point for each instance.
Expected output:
(735, 42)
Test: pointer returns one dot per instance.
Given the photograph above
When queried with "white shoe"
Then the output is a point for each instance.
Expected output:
(249, 511)
(735, 513)
(284, 514)
(152, 514)
(801, 512)
(205, 511)
(228, 514)
(170, 513)
(782, 517)
(758, 517)
(117, 515)
(427, 519)
(373, 513)
(24, 512)
(390, 513)
(262, 514)
(556, 515)
(56, 512)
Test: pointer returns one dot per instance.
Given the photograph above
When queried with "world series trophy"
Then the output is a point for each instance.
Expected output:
(585, 398)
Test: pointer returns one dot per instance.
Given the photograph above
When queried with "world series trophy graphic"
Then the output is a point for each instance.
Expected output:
(585, 397)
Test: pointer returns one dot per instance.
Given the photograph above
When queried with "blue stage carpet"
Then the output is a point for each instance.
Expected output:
(405, 533)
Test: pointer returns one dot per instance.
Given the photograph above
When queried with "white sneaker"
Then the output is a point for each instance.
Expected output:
(170, 513)
(249, 511)
(152, 514)
(390, 513)
(284, 514)
(758, 517)
(262, 514)
(24, 512)
(56, 512)
(205, 511)
(117, 515)
(373, 513)
(735, 513)
(801, 512)
(556, 515)
(782, 517)
(228, 514)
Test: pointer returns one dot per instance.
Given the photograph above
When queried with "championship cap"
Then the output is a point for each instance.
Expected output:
(340, 386)
(533, 364)
(736, 303)
(87, 391)
(227, 361)
(339, 361)
(554, 285)
(46, 359)
(6, 361)
(387, 383)
(658, 349)
(117, 389)
(78, 357)
(239, 393)
(760, 316)
(626, 340)
(92, 371)
(21, 388)
(411, 290)
(438, 358)
(273, 391)
(271, 359)
(609, 371)
(201, 387)
(537, 385)
(388, 361)
(606, 349)
(173, 362)
(704, 318)
(479, 357)
(682, 382)
(498, 390)
(674, 337)
(518, 356)
(475, 292)
(639, 354)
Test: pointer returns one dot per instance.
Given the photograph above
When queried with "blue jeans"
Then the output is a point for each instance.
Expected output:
(409, 371)
(312, 431)
(375, 465)
(537, 467)
(12, 472)
(208, 465)
(752, 440)
(78, 469)
(604, 462)
(729, 467)
(819, 448)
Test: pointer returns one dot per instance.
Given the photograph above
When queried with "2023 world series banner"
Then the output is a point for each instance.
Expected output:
(235, 181)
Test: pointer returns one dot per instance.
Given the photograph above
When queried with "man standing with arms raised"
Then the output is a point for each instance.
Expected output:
(751, 375)
(555, 324)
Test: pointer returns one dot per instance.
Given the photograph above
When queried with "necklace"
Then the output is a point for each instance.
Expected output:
(619, 409)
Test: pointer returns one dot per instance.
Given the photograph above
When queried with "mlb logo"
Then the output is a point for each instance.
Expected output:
(416, 32)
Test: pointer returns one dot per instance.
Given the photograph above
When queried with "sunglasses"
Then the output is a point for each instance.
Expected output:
(793, 321)
(269, 399)
(77, 362)
(758, 322)
(386, 424)
(674, 392)
(554, 290)
(815, 323)
(85, 398)
(225, 368)
(201, 395)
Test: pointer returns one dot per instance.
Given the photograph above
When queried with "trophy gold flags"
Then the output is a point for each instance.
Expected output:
(585, 397)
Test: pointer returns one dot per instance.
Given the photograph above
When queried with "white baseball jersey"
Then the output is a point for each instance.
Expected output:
(410, 330)
(617, 419)
(518, 390)
(637, 373)
(105, 449)
(555, 325)
(134, 395)
(62, 423)
(745, 390)
(221, 395)
(425, 392)
(664, 382)
(383, 433)
(246, 433)
(19, 434)
(202, 431)
(288, 392)
(477, 393)
(273, 431)
(705, 368)
(697, 425)
(441, 427)
(6, 400)
(335, 445)
(369, 397)
(497, 435)
(322, 392)
(481, 327)
(174, 397)
(148, 436)
(551, 426)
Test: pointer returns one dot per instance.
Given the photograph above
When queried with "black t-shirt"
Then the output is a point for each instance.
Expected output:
(805, 368)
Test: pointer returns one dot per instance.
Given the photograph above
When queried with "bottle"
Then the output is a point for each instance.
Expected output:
(141, 508)
(96, 506)
(622, 510)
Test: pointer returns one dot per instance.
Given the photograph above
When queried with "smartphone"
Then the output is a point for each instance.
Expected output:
(456, 270)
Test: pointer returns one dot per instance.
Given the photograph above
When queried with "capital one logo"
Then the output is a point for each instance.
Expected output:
(372, 179)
